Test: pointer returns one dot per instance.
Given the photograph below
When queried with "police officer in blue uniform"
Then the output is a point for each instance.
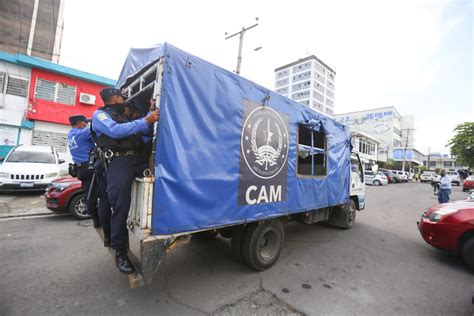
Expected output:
(80, 145)
(121, 140)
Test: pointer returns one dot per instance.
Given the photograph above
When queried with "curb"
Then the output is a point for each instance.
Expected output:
(25, 214)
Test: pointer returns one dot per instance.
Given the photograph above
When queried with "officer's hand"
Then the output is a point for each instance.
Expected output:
(152, 117)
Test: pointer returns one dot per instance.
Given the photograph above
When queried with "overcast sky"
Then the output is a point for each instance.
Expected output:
(414, 55)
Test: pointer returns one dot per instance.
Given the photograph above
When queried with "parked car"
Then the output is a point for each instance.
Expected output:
(455, 179)
(65, 195)
(391, 177)
(429, 176)
(375, 179)
(409, 175)
(468, 184)
(29, 168)
(401, 175)
(450, 227)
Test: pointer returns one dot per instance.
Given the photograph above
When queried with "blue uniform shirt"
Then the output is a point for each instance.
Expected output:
(80, 143)
(103, 124)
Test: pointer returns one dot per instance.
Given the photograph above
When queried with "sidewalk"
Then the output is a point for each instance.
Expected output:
(22, 204)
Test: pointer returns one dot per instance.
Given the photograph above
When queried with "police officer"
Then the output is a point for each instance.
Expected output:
(121, 139)
(80, 145)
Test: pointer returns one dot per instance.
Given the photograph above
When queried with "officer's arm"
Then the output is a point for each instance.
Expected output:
(104, 124)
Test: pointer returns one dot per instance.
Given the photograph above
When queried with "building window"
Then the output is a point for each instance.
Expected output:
(318, 86)
(300, 86)
(329, 102)
(282, 90)
(283, 82)
(300, 95)
(312, 152)
(329, 111)
(282, 74)
(319, 68)
(17, 86)
(432, 163)
(301, 67)
(317, 105)
(305, 102)
(318, 96)
(397, 131)
(302, 76)
(330, 85)
(55, 92)
(447, 164)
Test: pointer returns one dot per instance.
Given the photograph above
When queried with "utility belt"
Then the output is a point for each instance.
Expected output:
(73, 167)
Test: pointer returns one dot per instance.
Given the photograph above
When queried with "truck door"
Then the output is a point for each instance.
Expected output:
(357, 189)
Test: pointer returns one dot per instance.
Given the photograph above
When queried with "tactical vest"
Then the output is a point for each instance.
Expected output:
(132, 142)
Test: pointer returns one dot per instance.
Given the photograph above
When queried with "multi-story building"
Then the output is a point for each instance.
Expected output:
(384, 124)
(441, 161)
(37, 97)
(367, 147)
(308, 81)
(32, 27)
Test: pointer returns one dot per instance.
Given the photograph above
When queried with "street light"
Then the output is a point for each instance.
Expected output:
(241, 42)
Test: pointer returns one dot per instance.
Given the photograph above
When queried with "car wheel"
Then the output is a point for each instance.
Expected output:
(77, 207)
(262, 244)
(468, 252)
(377, 182)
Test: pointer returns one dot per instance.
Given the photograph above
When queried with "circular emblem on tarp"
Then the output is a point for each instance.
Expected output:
(264, 142)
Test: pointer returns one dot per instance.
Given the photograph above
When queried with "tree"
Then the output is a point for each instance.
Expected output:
(462, 144)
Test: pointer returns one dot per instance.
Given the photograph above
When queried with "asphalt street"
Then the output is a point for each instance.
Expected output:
(55, 265)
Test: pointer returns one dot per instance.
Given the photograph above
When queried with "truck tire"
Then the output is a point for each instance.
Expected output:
(262, 244)
(77, 207)
(468, 252)
(345, 216)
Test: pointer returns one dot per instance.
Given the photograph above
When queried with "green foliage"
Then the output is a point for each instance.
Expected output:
(462, 144)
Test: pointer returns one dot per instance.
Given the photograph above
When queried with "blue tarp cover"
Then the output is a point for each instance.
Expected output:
(211, 168)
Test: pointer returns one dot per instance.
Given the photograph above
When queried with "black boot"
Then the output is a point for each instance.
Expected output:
(123, 263)
(106, 241)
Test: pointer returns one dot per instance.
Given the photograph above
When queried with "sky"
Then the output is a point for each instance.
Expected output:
(416, 55)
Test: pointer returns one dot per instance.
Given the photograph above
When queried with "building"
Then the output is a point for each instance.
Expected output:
(441, 161)
(367, 147)
(384, 124)
(411, 155)
(32, 27)
(37, 97)
(308, 81)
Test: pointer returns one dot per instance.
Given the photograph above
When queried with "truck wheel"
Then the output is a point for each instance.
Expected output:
(77, 207)
(262, 244)
(468, 252)
(344, 216)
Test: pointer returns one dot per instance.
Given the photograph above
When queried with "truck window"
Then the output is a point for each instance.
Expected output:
(312, 152)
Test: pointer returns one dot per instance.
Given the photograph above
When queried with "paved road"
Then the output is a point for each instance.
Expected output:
(56, 265)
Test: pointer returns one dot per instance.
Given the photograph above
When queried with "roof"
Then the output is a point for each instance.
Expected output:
(369, 110)
(34, 148)
(33, 62)
(302, 60)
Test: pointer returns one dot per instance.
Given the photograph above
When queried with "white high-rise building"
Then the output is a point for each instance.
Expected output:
(308, 81)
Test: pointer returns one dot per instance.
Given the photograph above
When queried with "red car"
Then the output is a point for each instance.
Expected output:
(450, 227)
(468, 184)
(66, 195)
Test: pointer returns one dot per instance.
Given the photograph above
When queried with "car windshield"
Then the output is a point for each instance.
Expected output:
(31, 157)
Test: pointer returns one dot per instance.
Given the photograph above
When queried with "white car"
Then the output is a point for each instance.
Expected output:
(455, 179)
(29, 168)
(375, 179)
(402, 175)
(429, 176)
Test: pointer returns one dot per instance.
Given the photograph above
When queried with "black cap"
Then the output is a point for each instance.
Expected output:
(108, 92)
(78, 118)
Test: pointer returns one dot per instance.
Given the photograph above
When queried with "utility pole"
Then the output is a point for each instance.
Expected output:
(241, 43)
(405, 152)
(429, 154)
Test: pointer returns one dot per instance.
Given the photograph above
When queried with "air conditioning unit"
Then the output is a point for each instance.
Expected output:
(87, 98)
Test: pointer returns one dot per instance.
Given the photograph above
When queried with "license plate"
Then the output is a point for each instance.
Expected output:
(26, 185)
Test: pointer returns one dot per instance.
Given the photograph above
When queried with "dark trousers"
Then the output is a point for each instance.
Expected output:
(443, 195)
(105, 210)
(120, 174)
(84, 174)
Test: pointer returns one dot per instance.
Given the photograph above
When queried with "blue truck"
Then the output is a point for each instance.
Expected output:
(231, 157)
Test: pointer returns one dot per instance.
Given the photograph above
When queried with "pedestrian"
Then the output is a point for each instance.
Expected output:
(80, 144)
(444, 188)
(121, 141)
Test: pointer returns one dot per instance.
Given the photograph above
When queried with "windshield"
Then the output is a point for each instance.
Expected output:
(470, 178)
(32, 157)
